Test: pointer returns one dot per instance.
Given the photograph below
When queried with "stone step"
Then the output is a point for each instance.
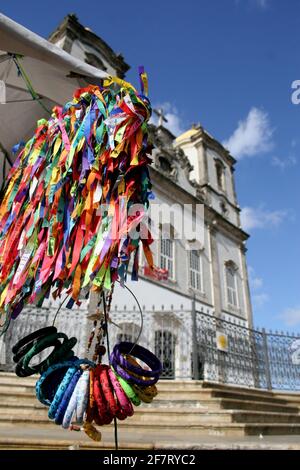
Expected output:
(15, 389)
(18, 397)
(167, 417)
(61, 444)
(239, 388)
(14, 409)
(244, 395)
(234, 404)
(164, 395)
(263, 417)
(162, 416)
(197, 430)
(213, 404)
(205, 394)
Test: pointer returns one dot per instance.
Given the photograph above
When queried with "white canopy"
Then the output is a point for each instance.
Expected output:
(53, 73)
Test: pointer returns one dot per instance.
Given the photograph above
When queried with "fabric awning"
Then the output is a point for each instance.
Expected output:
(53, 73)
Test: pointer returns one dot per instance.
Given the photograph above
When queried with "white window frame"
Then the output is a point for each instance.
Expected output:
(168, 259)
(233, 291)
(195, 272)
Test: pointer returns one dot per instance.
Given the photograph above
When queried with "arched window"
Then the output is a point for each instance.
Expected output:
(231, 284)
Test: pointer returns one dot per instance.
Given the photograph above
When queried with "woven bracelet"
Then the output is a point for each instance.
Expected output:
(126, 375)
(140, 353)
(128, 389)
(42, 344)
(60, 412)
(48, 330)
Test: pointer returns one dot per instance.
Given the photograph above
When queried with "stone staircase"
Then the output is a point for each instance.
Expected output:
(185, 408)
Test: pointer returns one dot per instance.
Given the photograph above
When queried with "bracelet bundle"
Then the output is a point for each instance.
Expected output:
(34, 343)
(81, 394)
(137, 382)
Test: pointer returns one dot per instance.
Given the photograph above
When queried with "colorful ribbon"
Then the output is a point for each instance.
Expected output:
(65, 213)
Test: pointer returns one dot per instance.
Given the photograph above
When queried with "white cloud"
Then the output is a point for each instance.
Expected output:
(294, 143)
(252, 136)
(291, 316)
(259, 300)
(284, 163)
(257, 217)
(256, 283)
(175, 123)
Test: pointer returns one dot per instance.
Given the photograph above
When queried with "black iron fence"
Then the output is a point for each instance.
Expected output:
(233, 354)
(190, 344)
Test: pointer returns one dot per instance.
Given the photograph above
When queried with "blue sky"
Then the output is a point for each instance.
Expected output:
(228, 64)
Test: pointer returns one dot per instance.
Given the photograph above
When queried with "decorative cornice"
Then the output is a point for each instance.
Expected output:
(71, 27)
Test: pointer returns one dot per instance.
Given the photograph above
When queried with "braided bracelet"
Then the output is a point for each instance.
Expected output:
(48, 330)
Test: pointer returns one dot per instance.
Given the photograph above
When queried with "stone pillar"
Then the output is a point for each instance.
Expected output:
(215, 271)
(246, 288)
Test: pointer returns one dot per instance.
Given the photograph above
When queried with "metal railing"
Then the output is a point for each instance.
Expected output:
(190, 345)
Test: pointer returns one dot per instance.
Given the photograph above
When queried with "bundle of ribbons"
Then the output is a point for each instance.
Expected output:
(81, 394)
(68, 213)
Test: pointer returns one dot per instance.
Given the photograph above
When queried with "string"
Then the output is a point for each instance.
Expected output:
(142, 317)
(108, 353)
(27, 81)
(58, 310)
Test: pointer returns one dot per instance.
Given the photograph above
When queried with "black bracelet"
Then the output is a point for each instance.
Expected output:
(63, 353)
(48, 330)
(24, 370)
(24, 349)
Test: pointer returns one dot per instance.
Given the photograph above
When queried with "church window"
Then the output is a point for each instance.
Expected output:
(165, 164)
(231, 284)
(220, 174)
(128, 332)
(167, 252)
(196, 276)
(224, 209)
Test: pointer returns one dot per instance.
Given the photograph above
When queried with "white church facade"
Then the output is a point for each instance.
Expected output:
(207, 276)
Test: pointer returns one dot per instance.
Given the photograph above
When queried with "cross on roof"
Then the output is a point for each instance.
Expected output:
(161, 117)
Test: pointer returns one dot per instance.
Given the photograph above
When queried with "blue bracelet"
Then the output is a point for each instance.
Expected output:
(44, 385)
(82, 396)
(59, 415)
(60, 391)
(78, 401)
